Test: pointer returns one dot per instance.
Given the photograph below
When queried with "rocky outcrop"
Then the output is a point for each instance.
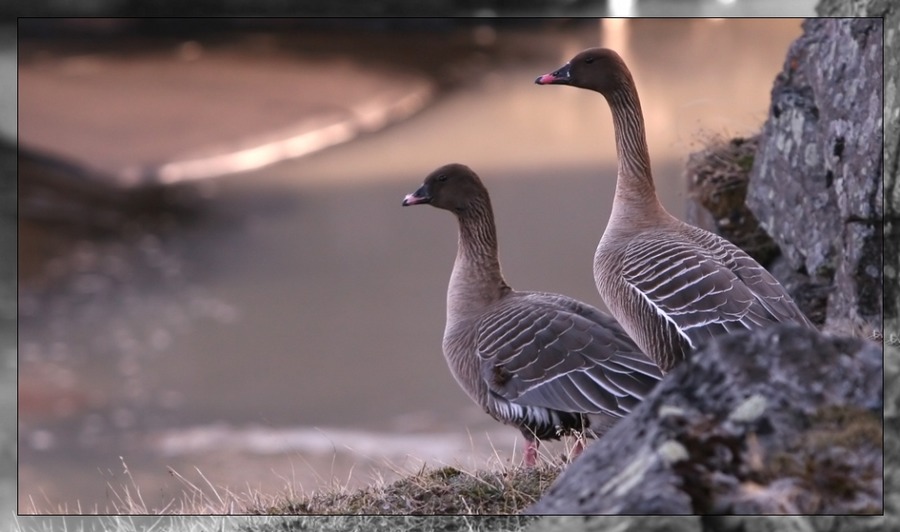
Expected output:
(812, 179)
(891, 14)
(816, 185)
(782, 420)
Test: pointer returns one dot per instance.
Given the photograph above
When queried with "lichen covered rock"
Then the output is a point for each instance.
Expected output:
(780, 420)
(816, 184)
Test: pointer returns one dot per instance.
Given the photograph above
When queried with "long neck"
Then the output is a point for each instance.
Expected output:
(476, 280)
(635, 192)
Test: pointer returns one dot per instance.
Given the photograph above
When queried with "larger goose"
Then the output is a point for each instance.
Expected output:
(671, 285)
(544, 363)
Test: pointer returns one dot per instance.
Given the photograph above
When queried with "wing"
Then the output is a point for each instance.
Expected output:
(705, 286)
(764, 287)
(550, 351)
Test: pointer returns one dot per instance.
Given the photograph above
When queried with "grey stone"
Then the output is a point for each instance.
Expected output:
(793, 523)
(891, 165)
(891, 161)
(816, 185)
(855, 304)
(811, 295)
(891, 434)
(623, 523)
(784, 197)
(812, 445)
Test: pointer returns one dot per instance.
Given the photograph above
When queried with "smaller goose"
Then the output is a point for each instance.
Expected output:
(671, 285)
(544, 363)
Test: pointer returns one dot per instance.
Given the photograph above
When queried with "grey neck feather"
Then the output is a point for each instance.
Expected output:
(635, 192)
(476, 280)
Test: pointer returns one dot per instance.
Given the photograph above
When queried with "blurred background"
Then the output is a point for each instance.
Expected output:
(192, 296)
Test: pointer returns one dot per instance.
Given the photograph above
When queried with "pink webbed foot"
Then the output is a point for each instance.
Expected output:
(531, 452)
(577, 449)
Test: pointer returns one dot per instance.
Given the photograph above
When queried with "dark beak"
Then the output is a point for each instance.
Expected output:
(561, 76)
(420, 196)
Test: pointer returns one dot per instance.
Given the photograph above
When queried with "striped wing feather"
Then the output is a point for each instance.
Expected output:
(706, 286)
(767, 290)
(544, 350)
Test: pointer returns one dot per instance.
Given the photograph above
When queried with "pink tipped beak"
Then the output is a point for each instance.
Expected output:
(412, 199)
(560, 76)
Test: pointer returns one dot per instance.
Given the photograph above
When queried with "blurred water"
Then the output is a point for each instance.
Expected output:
(290, 333)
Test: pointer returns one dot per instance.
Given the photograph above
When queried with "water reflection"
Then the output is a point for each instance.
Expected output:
(291, 330)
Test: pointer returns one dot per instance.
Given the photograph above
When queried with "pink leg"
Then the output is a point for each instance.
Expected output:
(531, 451)
(578, 448)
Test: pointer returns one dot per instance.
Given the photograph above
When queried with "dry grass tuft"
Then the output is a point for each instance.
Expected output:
(442, 491)
(494, 488)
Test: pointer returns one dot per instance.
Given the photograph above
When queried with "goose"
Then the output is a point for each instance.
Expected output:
(544, 363)
(671, 285)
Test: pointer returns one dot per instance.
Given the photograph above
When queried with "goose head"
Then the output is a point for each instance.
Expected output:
(453, 187)
(597, 69)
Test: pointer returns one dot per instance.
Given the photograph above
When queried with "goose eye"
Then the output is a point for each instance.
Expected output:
(442, 177)
(588, 60)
